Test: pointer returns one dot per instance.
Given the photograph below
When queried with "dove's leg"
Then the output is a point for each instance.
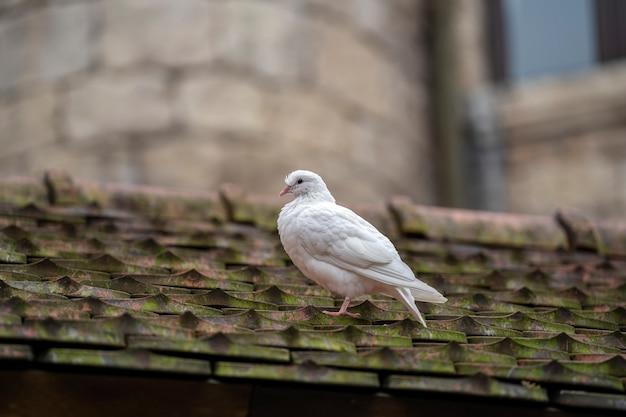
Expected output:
(343, 311)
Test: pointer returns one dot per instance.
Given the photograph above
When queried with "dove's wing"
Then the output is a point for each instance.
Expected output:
(336, 235)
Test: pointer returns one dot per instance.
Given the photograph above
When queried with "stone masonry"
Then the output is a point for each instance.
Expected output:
(565, 143)
(547, 144)
(195, 93)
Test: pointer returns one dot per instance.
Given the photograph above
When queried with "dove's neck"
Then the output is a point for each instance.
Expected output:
(315, 197)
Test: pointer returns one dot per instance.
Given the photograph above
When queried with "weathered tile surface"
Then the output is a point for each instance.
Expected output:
(142, 279)
(478, 385)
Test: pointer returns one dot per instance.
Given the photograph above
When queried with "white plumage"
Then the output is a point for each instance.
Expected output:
(341, 251)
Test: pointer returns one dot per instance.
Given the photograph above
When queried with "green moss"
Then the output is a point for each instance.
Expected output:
(411, 330)
(16, 352)
(10, 257)
(518, 350)
(565, 343)
(65, 332)
(471, 327)
(297, 339)
(162, 304)
(217, 345)
(277, 296)
(407, 360)
(522, 322)
(478, 385)
(552, 372)
(127, 359)
(306, 373)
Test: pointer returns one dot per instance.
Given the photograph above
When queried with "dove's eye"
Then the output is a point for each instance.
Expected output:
(300, 181)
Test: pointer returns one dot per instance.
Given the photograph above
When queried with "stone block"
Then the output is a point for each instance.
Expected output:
(162, 31)
(354, 71)
(270, 38)
(280, 40)
(390, 25)
(311, 130)
(190, 163)
(213, 101)
(584, 172)
(112, 160)
(27, 121)
(109, 103)
(205, 162)
(6, 5)
(46, 44)
(307, 120)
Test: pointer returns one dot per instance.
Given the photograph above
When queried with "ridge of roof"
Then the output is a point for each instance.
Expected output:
(567, 229)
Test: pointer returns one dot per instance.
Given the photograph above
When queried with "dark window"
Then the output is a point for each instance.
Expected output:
(536, 38)
(611, 24)
(496, 41)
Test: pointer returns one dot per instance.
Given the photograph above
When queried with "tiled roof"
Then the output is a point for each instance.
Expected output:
(142, 279)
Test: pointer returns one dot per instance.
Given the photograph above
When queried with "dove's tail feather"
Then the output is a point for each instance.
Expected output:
(428, 295)
(406, 298)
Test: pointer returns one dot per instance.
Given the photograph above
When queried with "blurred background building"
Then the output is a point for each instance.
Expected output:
(516, 105)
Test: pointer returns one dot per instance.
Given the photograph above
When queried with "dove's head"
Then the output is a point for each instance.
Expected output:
(306, 184)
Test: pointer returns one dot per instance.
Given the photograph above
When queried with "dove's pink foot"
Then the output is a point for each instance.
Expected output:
(343, 311)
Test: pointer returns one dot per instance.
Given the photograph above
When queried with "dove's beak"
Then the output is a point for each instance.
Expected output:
(284, 191)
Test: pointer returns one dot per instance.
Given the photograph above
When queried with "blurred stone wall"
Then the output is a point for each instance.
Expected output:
(557, 142)
(194, 93)
(565, 143)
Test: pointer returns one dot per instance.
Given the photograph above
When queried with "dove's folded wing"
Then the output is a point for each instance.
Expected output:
(336, 235)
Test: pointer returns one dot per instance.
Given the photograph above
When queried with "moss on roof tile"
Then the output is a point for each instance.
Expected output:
(305, 373)
(126, 359)
(404, 360)
(479, 227)
(476, 385)
(105, 276)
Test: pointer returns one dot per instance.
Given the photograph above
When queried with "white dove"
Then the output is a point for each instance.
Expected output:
(336, 248)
